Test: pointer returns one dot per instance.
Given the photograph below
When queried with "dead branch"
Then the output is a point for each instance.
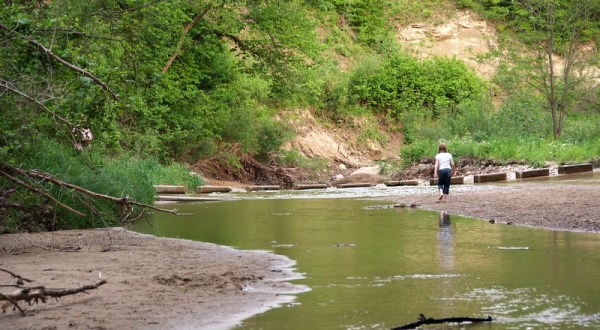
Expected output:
(50, 247)
(123, 202)
(40, 293)
(19, 278)
(9, 87)
(184, 34)
(9, 302)
(39, 191)
(424, 320)
(63, 61)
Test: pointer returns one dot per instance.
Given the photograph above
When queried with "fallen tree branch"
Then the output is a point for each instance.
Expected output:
(20, 279)
(424, 320)
(122, 202)
(40, 293)
(9, 302)
(39, 191)
(119, 200)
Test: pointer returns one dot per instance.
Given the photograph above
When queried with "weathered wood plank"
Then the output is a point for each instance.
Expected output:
(163, 198)
(354, 185)
(395, 183)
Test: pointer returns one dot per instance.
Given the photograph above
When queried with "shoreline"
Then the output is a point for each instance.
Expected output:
(153, 282)
(158, 283)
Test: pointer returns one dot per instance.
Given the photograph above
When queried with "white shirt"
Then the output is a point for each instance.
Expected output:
(444, 160)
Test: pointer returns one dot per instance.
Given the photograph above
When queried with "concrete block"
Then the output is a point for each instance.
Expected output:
(532, 173)
(401, 183)
(168, 189)
(179, 199)
(409, 183)
(263, 188)
(489, 177)
(577, 168)
(354, 185)
(213, 189)
(303, 186)
(453, 180)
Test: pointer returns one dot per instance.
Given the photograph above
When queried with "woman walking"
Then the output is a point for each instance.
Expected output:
(444, 166)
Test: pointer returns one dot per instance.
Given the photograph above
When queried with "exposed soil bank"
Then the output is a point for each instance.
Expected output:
(153, 283)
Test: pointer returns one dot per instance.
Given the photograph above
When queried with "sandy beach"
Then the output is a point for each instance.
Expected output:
(152, 283)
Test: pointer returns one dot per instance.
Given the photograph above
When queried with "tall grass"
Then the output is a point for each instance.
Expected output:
(518, 131)
(117, 177)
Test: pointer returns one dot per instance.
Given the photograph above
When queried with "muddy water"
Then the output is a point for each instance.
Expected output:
(372, 267)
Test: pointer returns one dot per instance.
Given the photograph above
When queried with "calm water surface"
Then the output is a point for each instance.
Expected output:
(375, 268)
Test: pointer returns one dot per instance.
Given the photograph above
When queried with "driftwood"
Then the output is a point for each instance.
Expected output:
(425, 320)
(40, 293)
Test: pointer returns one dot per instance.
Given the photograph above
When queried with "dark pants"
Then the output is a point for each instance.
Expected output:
(444, 177)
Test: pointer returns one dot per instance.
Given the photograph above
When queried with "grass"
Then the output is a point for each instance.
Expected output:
(119, 177)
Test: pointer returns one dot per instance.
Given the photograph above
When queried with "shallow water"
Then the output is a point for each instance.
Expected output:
(377, 267)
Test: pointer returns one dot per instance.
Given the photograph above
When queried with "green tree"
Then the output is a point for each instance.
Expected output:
(562, 34)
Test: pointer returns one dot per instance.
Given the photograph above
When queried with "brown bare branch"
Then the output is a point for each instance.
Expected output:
(19, 278)
(59, 59)
(184, 34)
(38, 191)
(40, 293)
(8, 86)
(424, 320)
(36, 174)
(10, 301)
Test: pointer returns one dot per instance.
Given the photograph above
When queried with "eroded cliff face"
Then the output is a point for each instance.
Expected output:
(461, 34)
(336, 144)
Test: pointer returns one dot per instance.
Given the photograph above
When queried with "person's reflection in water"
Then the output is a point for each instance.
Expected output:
(446, 244)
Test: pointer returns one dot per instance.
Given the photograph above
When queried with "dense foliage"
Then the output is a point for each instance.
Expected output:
(163, 83)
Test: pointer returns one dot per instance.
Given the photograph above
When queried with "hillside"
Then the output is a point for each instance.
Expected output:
(460, 34)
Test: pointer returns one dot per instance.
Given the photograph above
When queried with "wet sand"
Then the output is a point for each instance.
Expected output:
(552, 206)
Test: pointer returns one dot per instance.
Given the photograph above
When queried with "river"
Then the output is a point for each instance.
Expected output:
(370, 266)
